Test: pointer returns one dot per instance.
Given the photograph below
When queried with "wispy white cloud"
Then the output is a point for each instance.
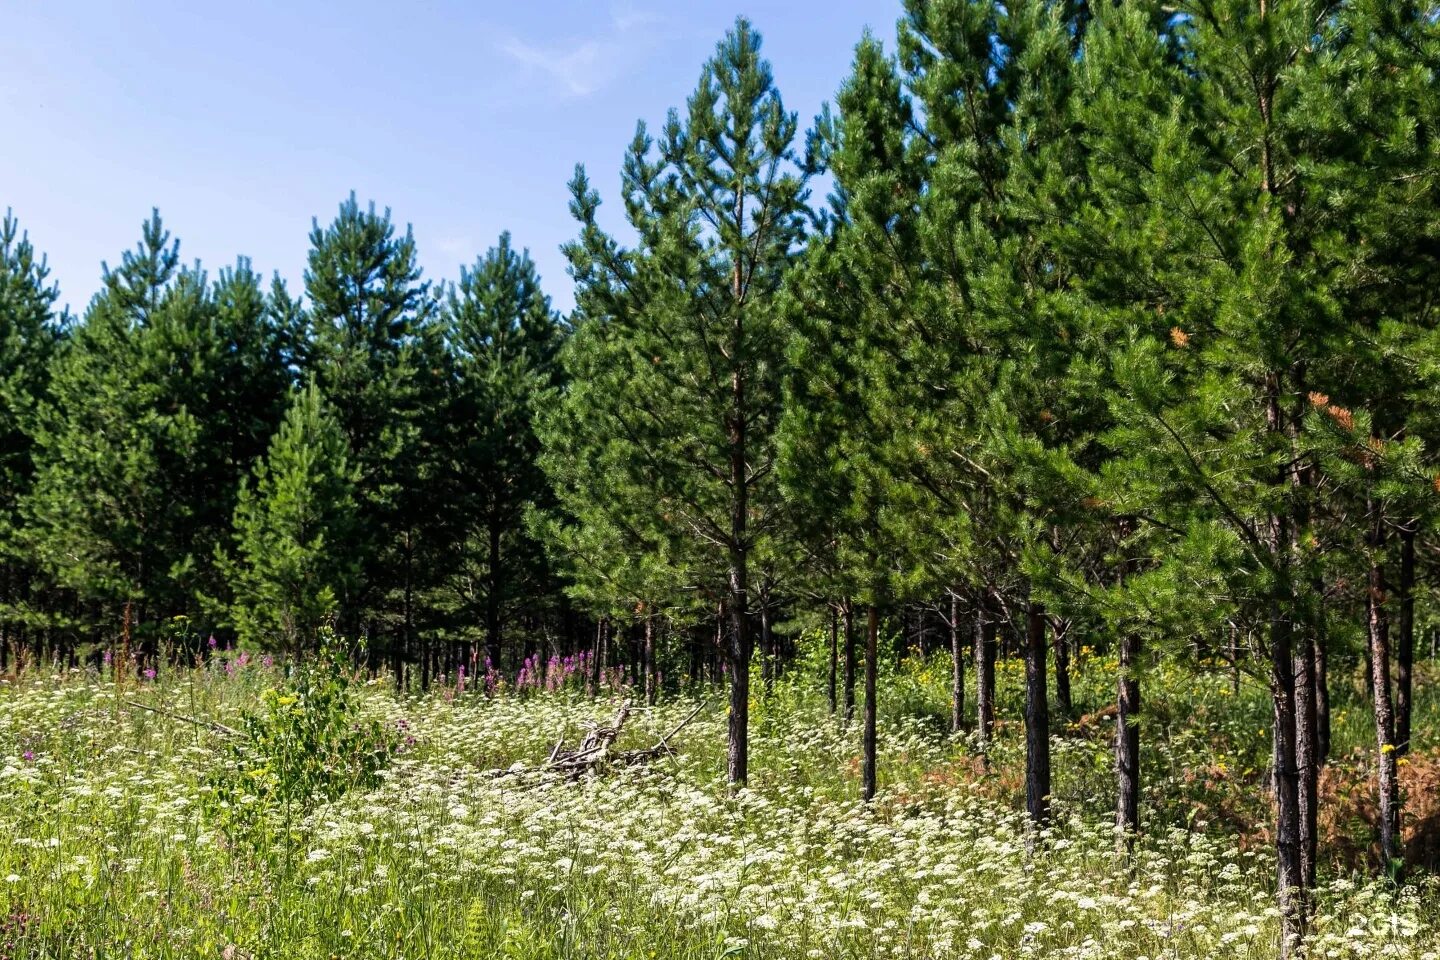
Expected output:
(581, 67)
(456, 248)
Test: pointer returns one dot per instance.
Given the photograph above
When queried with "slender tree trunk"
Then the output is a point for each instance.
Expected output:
(1037, 717)
(696, 652)
(1291, 895)
(495, 576)
(1378, 630)
(957, 660)
(1290, 872)
(834, 658)
(848, 616)
(1306, 753)
(1405, 639)
(1060, 627)
(1127, 739)
(1234, 660)
(738, 734)
(767, 643)
(1322, 704)
(606, 635)
(597, 659)
(649, 660)
(872, 646)
(985, 670)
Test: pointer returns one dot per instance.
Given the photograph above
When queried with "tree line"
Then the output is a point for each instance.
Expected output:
(1115, 322)
(202, 455)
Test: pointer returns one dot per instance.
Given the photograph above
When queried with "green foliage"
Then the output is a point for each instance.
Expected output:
(378, 359)
(307, 743)
(159, 402)
(502, 337)
(30, 333)
(291, 568)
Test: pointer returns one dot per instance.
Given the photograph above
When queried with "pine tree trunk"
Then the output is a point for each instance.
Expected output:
(767, 644)
(834, 658)
(957, 659)
(1306, 753)
(1127, 739)
(872, 646)
(848, 615)
(649, 660)
(738, 733)
(597, 660)
(1037, 717)
(1405, 639)
(1378, 631)
(697, 655)
(494, 585)
(1234, 660)
(1280, 540)
(1322, 704)
(1061, 643)
(985, 671)
(1289, 867)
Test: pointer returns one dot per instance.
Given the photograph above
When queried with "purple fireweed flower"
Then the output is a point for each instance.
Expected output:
(106, 659)
(267, 661)
(28, 755)
(212, 641)
(149, 673)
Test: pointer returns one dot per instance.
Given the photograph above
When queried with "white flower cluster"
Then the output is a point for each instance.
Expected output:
(103, 836)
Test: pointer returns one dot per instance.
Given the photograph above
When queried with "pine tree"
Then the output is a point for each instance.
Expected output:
(978, 398)
(292, 570)
(841, 298)
(689, 324)
(31, 331)
(168, 391)
(1222, 252)
(503, 336)
(103, 514)
(378, 359)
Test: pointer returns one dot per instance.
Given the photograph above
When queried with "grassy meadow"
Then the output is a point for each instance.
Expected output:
(337, 818)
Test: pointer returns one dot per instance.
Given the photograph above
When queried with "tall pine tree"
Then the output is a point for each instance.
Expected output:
(689, 324)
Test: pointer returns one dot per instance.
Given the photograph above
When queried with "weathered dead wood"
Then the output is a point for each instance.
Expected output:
(213, 725)
(596, 751)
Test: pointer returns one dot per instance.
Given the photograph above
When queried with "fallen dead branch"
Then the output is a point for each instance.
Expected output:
(211, 724)
(596, 750)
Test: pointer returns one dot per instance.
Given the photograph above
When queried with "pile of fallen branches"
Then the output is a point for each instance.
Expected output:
(597, 750)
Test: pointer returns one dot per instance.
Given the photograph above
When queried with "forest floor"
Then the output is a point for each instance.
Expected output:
(126, 832)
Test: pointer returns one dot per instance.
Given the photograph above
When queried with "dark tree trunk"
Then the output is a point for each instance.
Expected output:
(1037, 717)
(834, 658)
(738, 732)
(872, 646)
(494, 585)
(848, 615)
(1127, 738)
(1234, 660)
(648, 658)
(1306, 752)
(697, 654)
(1289, 865)
(985, 670)
(957, 673)
(598, 656)
(1404, 639)
(770, 664)
(1378, 630)
(1322, 704)
(1061, 643)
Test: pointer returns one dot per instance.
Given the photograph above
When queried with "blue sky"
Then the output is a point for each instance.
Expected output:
(241, 121)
